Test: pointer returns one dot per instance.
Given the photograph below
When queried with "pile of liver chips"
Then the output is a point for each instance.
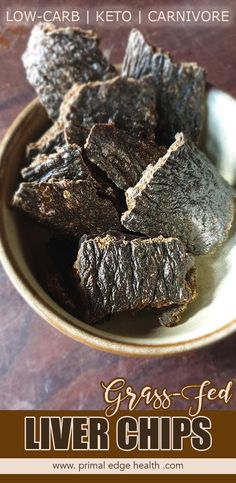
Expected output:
(119, 178)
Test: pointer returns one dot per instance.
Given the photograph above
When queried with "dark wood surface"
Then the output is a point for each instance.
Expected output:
(39, 367)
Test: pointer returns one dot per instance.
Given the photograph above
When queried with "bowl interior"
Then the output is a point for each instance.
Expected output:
(24, 249)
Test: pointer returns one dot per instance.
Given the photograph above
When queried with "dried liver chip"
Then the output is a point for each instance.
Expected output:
(51, 139)
(78, 135)
(57, 58)
(180, 98)
(182, 195)
(71, 207)
(180, 88)
(122, 156)
(60, 293)
(116, 274)
(75, 134)
(59, 279)
(138, 56)
(172, 315)
(129, 103)
(66, 163)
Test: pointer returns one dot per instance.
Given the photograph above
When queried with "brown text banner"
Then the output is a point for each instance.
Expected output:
(142, 434)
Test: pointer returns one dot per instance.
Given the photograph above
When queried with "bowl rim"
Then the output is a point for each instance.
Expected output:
(62, 323)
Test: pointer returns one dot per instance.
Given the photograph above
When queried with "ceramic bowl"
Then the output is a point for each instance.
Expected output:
(213, 314)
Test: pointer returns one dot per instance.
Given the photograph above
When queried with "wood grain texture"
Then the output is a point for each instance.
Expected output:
(39, 367)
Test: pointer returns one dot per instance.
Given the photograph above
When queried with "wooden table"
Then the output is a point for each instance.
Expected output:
(39, 367)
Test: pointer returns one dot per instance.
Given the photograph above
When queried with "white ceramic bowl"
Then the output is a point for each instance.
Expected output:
(213, 314)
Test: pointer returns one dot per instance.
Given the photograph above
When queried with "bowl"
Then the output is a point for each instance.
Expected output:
(22, 249)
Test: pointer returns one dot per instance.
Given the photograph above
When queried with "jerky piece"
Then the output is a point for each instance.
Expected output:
(59, 279)
(57, 58)
(59, 292)
(182, 195)
(66, 163)
(138, 56)
(129, 103)
(51, 139)
(180, 88)
(122, 156)
(71, 207)
(116, 274)
(172, 315)
(75, 134)
(78, 135)
(180, 98)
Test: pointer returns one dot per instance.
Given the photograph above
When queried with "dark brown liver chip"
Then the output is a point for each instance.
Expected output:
(58, 290)
(66, 163)
(57, 58)
(182, 195)
(129, 103)
(117, 274)
(122, 156)
(172, 315)
(138, 56)
(54, 137)
(76, 134)
(71, 207)
(58, 278)
(180, 88)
